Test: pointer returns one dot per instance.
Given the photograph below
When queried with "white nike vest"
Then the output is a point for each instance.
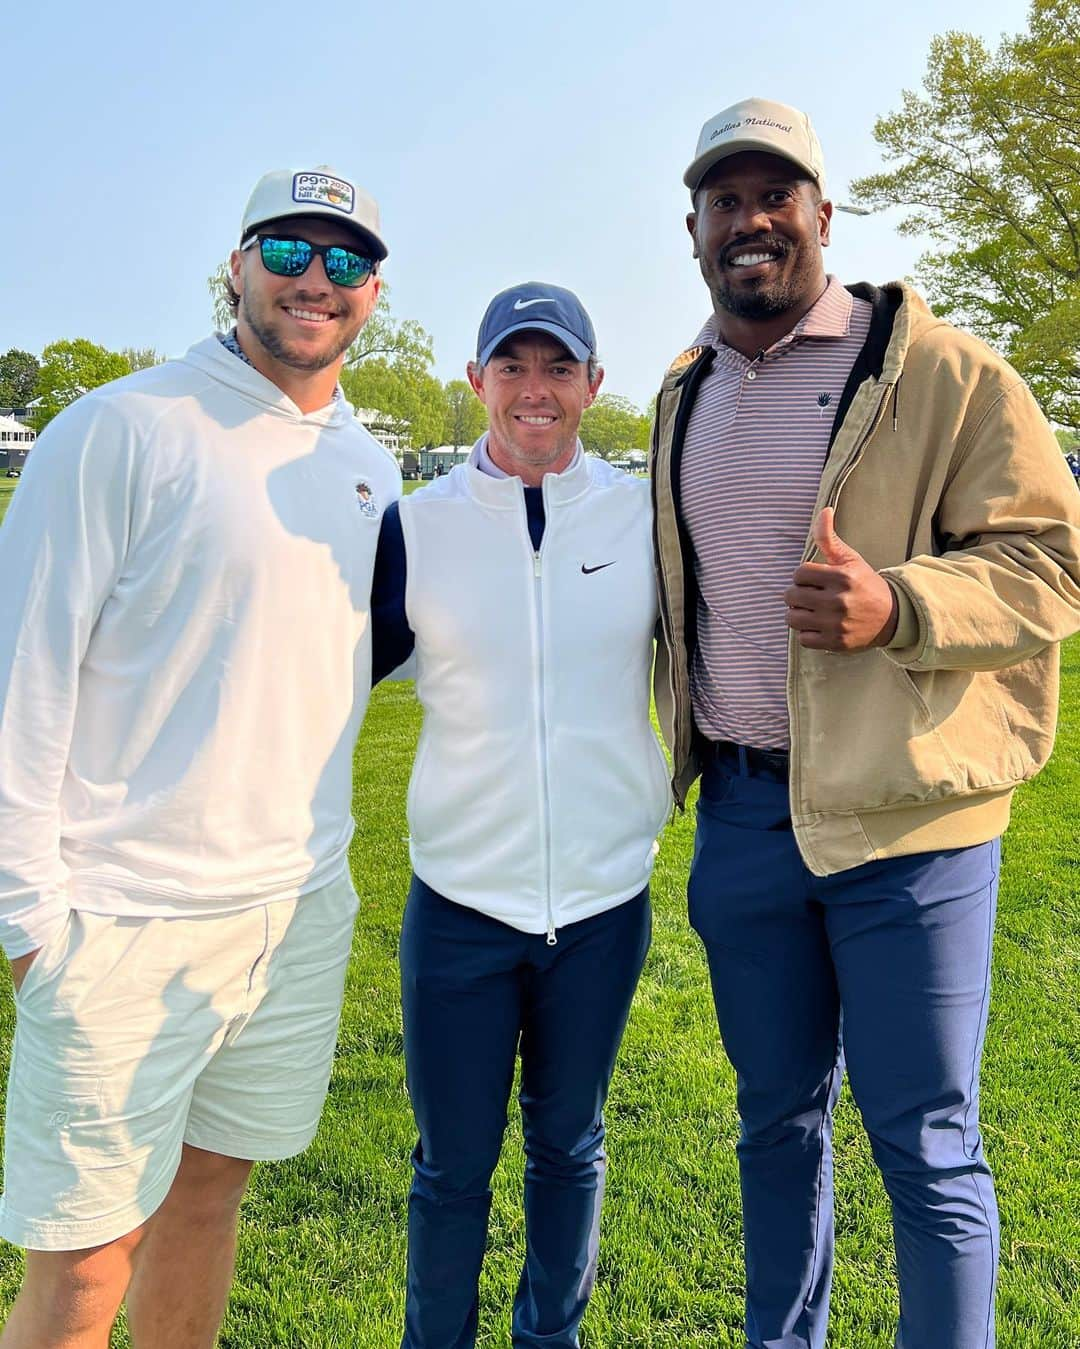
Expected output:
(539, 786)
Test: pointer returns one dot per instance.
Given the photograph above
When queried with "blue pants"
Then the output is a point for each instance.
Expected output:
(472, 988)
(899, 950)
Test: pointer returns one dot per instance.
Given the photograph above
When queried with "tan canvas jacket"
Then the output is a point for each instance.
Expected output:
(947, 478)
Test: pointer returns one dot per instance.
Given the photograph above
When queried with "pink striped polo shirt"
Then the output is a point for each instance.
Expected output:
(755, 446)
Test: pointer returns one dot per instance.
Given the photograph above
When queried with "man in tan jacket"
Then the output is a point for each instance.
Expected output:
(868, 548)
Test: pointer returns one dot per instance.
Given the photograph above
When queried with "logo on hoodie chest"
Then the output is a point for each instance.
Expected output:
(366, 498)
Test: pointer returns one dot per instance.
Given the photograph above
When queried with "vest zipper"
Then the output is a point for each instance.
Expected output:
(542, 733)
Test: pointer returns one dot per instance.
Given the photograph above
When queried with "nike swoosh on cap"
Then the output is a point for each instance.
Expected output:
(524, 304)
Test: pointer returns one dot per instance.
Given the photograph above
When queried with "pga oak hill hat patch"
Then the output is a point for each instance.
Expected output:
(536, 306)
(319, 191)
(758, 124)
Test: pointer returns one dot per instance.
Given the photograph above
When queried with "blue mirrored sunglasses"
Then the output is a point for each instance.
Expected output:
(292, 257)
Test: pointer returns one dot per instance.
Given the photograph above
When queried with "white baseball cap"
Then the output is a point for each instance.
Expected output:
(320, 191)
(758, 124)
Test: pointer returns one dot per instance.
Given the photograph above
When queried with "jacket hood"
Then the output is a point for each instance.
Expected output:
(211, 358)
(901, 317)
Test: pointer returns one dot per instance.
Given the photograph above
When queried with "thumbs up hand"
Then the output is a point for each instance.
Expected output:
(840, 603)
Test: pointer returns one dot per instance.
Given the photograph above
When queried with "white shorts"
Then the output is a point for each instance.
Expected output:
(136, 1035)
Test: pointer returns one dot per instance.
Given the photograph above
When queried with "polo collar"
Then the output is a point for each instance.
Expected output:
(828, 316)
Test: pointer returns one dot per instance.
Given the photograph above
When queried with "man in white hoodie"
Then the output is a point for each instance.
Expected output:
(184, 665)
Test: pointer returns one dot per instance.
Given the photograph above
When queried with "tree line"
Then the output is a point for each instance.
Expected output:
(985, 162)
(64, 370)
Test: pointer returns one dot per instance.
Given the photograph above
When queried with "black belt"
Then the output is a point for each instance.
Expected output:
(747, 760)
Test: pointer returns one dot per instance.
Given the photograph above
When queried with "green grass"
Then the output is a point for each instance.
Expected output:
(322, 1244)
(7, 487)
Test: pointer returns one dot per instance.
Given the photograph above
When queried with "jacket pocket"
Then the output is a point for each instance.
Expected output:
(869, 737)
(873, 734)
(971, 709)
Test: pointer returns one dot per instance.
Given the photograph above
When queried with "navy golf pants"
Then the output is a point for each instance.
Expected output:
(898, 951)
(472, 989)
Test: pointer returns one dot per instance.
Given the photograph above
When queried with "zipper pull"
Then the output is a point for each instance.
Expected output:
(536, 564)
(552, 940)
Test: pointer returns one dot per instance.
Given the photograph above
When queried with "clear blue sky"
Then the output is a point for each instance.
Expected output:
(503, 142)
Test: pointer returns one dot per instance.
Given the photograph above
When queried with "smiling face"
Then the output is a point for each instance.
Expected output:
(535, 393)
(295, 330)
(759, 226)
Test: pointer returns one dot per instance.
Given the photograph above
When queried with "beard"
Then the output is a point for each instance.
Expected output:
(768, 296)
(262, 325)
(765, 303)
(518, 452)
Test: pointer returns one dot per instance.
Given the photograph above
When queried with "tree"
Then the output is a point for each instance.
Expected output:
(218, 286)
(405, 392)
(141, 358)
(988, 164)
(69, 369)
(18, 378)
(389, 338)
(466, 417)
(613, 426)
(388, 368)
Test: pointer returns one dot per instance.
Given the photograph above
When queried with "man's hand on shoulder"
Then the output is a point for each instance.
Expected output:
(19, 966)
(840, 604)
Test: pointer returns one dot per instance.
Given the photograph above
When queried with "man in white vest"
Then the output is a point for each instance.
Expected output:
(184, 664)
(524, 581)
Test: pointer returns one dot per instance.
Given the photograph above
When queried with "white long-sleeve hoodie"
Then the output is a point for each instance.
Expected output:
(184, 647)
(539, 787)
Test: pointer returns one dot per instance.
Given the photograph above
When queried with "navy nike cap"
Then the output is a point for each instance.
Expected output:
(537, 307)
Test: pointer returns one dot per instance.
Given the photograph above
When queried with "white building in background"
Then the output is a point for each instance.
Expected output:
(382, 429)
(15, 442)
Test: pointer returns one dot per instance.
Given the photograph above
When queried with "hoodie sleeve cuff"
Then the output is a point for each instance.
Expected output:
(31, 930)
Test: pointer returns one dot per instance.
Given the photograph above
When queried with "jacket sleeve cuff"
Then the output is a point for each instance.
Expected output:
(30, 931)
(907, 621)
